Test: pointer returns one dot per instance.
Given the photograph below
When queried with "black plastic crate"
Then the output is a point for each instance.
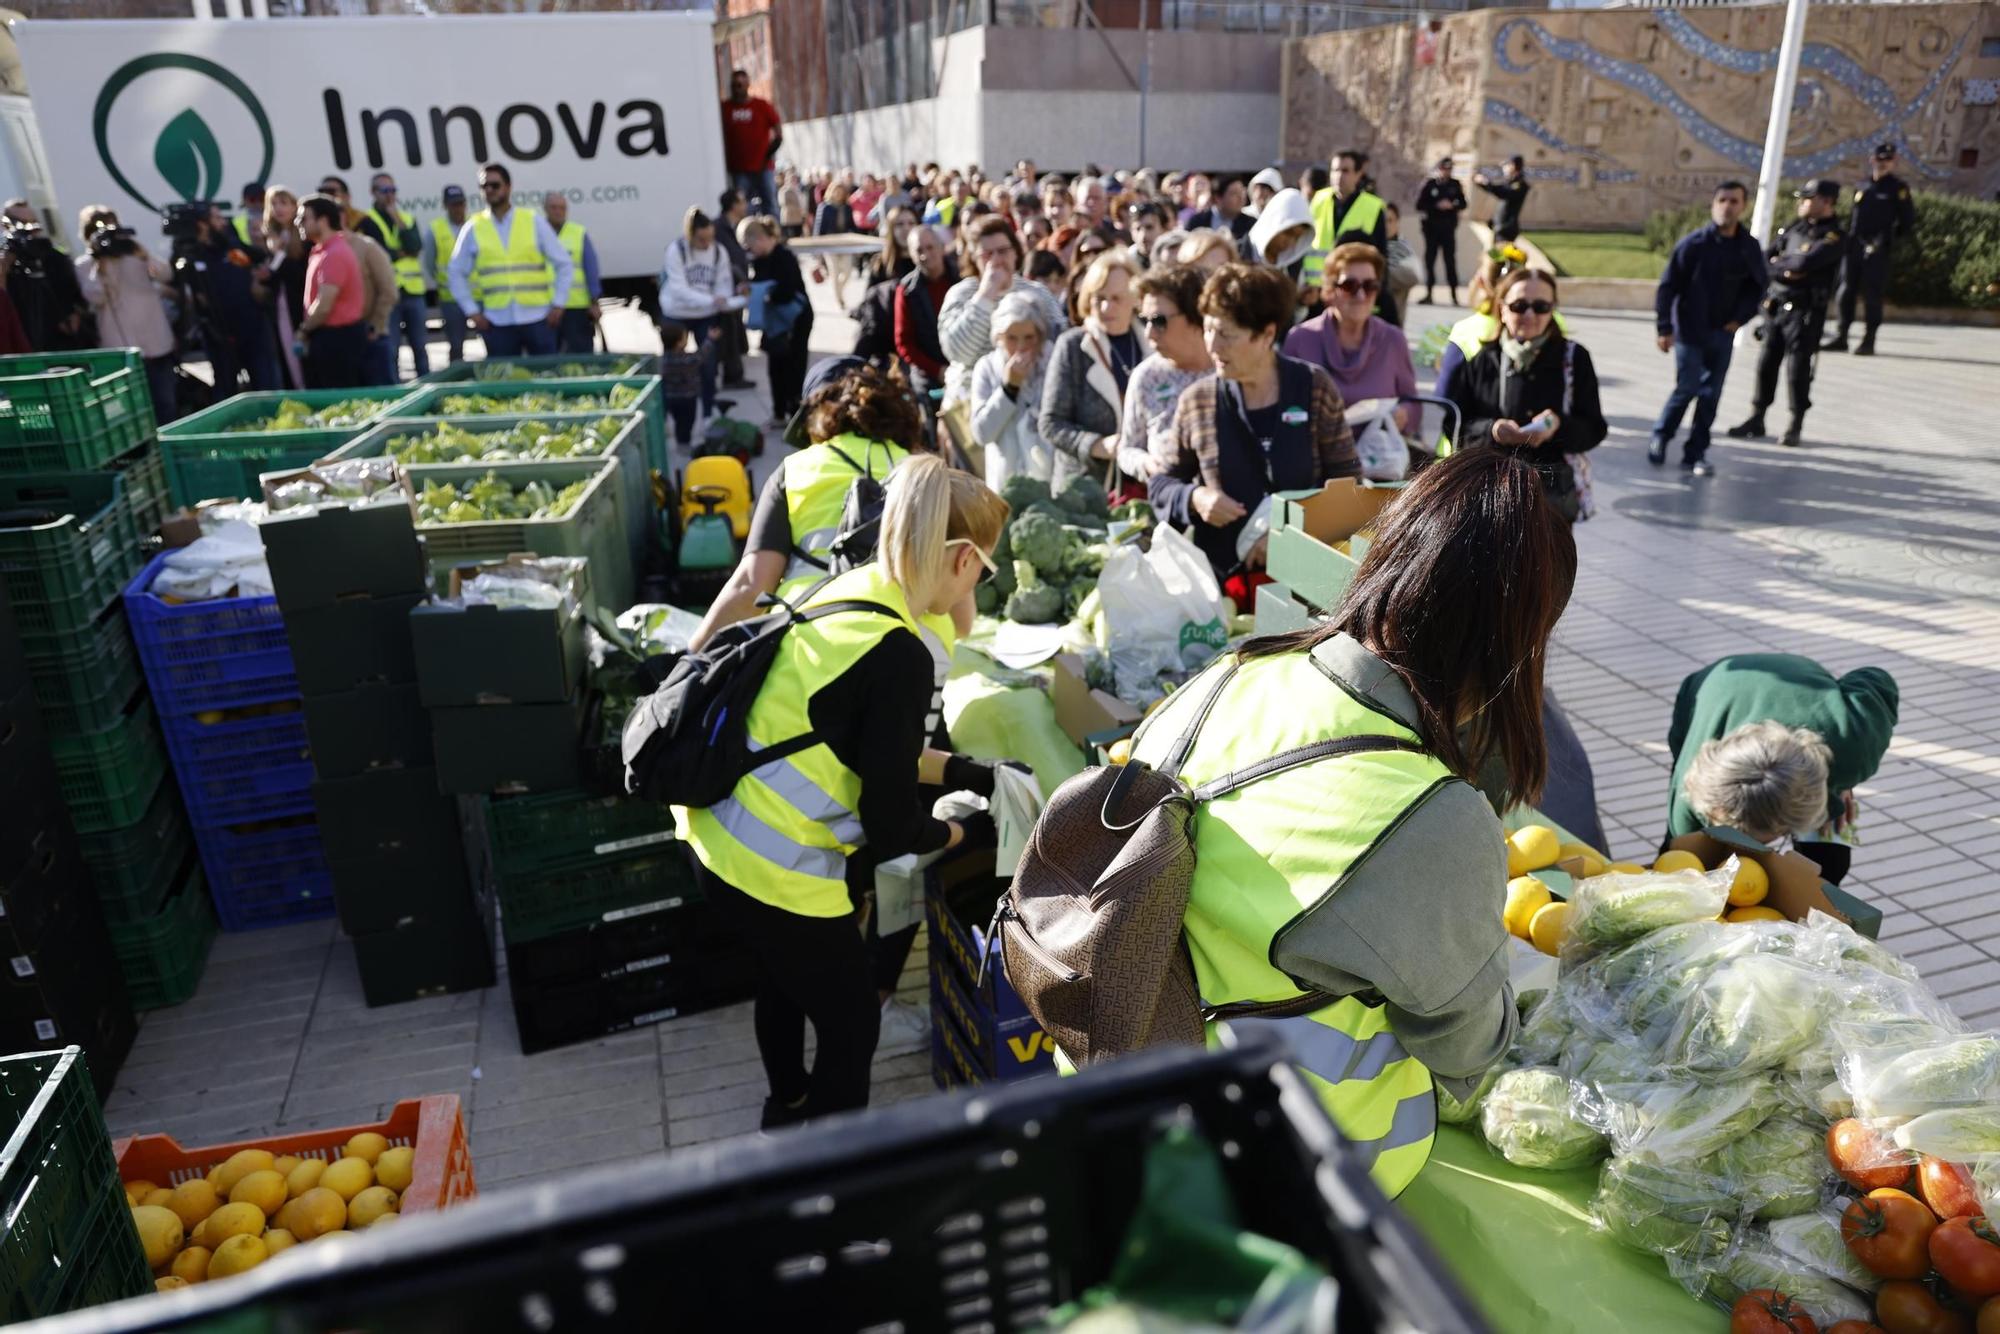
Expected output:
(450, 950)
(368, 728)
(582, 894)
(69, 991)
(379, 893)
(358, 641)
(388, 812)
(555, 1016)
(668, 933)
(34, 895)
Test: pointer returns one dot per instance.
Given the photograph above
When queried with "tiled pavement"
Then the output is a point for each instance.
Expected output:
(1878, 543)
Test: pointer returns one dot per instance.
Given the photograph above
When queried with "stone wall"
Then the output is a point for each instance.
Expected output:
(1621, 112)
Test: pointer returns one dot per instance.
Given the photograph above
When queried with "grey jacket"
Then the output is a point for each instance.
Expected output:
(1076, 411)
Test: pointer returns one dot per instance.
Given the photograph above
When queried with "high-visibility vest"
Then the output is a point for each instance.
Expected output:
(571, 236)
(784, 835)
(1361, 217)
(242, 224)
(444, 237)
(409, 268)
(817, 479)
(1267, 851)
(514, 273)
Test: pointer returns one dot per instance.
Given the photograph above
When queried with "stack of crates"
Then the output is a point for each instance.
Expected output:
(405, 888)
(81, 495)
(981, 1030)
(221, 675)
(605, 924)
(61, 984)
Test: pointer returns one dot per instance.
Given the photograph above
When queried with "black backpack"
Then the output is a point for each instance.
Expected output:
(688, 743)
(860, 519)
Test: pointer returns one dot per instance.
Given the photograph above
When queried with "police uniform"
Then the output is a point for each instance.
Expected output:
(1803, 260)
(1883, 210)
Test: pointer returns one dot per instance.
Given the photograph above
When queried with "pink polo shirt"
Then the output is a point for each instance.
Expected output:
(333, 261)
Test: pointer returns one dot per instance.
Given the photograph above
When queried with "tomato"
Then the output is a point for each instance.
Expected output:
(1947, 1189)
(1890, 1232)
(1854, 1327)
(1864, 1159)
(1966, 1252)
(1989, 1317)
(1910, 1308)
(1765, 1311)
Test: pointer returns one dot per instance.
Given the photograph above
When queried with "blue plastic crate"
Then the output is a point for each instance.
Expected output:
(266, 877)
(242, 770)
(224, 653)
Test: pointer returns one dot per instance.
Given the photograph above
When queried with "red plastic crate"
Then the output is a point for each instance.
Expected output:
(440, 1177)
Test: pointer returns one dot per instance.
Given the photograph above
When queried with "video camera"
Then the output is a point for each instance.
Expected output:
(107, 240)
(28, 246)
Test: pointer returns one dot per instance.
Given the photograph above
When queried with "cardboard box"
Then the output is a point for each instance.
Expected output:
(500, 655)
(354, 642)
(1278, 612)
(1310, 569)
(322, 556)
(1335, 512)
(1090, 717)
(509, 747)
(1796, 886)
(1003, 1039)
(368, 728)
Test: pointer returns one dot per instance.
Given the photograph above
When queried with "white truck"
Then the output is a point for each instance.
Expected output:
(619, 111)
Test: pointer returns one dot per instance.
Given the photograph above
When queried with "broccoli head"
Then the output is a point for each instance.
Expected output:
(1085, 495)
(1022, 491)
(1040, 541)
(1074, 592)
(1084, 562)
(987, 598)
(1003, 577)
(1037, 605)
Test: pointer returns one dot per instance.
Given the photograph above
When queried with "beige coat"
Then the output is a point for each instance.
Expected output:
(378, 281)
(124, 294)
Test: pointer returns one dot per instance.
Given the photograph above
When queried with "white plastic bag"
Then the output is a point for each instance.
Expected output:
(1378, 443)
(1016, 805)
(1163, 610)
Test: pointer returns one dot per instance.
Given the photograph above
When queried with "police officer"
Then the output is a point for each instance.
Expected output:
(1802, 260)
(1883, 211)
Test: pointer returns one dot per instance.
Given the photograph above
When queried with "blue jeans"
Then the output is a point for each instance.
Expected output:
(382, 358)
(407, 323)
(711, 355)
(578, 333)
(1700, 366)
(533, 339)
(757, 185)
(454, 329)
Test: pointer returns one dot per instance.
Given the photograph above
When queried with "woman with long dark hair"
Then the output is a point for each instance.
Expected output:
(1373, 881)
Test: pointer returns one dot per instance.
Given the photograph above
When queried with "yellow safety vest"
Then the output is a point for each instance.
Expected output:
(1360, 218)
(817, 479)
(444, 237)
(1268, 852)
(242, 224)
(514, 273)
(784, 835)
(571, 236)
(409, 268)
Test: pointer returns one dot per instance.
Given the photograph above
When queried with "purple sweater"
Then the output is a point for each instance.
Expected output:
(1379, 368)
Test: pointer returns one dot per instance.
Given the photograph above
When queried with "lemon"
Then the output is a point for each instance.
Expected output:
(231, 1220)
(277, 1239)
(236, 1255)
(1754, 915)
(1627, 868)
(158, 1195)
(1120, 751)
(304, 1177)
(1750, 885)
(241, 1164)
(1669, 862)
(348, 1177)
(168, 1283)
(137, 1191)
(284, 1163)
(316, 1213)
(1594, 862)
(1531, 848)
(1525, 896)
(367, 1146)
(192, 1264)
(395, 1168)
(383, 1221)
(1548, 927)
(265, 1189)
(193, 1201)
(209, 717)
(160, 1233)
(369, 1205)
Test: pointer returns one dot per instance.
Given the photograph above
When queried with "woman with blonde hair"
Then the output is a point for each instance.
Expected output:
(1083, 398)
(278, 229)
(781, 857)
(1207, 249)
(787, 316)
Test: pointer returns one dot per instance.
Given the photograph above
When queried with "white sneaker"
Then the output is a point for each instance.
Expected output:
(904, 1026)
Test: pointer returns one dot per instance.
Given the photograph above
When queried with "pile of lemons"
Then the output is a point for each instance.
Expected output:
(1536, 916)
(254, 1204)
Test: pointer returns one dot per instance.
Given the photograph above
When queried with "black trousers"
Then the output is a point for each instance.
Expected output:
(787, 354)
(813, 970)
(336, 357)
(1791, 341)
(1436, 244)
(735, 343)
(1864, 275)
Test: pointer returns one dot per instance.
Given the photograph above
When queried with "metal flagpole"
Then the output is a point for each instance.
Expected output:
(1771, 173)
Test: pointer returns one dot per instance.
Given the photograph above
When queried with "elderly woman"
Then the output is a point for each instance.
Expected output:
(1170, 317)
(1084, 401)
(1207, 249)
(1774, 745)
(1367, 356)
(1532, 390)
(1006, 388)
(965, 323)
(1264, 423)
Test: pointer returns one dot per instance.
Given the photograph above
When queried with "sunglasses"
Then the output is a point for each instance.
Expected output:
(1155, 323)
(1358, 286)
(1538, 307)
(984, 559)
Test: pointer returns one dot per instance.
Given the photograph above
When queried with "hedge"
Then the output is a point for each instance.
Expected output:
(1954, 259)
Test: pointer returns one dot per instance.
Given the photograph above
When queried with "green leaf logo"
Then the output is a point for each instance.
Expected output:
(188, 156)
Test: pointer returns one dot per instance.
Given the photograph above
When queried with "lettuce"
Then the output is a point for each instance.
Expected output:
(1663, 1210)
(1527, 1120)
(1677, 1122)
(1749, 1014)
(1813, 1239)
(1960, 1134)
(1909, 1080)
(1778, 1170)
(1610, 910)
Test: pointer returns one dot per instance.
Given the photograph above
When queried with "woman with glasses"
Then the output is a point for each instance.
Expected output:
(1266, 422)
(1367, 356)
(1083, 403)
(1170, 319)
(781, 857)
(1531, 390)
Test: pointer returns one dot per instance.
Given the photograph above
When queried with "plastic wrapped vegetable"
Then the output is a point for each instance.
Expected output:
(1958, 1134)
(1609, 910)
(1779, 1170)
(1608, 1064)
(1753, 1262)
(1455, 1113)
(1678, 1122)
(1664, 1210)
(1909, 1080)
(1527, 1120)
(1747, 1015)
(1813, 1239)
(1547, 1027)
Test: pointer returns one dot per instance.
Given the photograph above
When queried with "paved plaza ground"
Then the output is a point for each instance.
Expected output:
(1878, 543)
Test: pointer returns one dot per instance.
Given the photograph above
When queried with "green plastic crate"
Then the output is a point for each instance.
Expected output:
(145, 474)
(83, 678)
(108, 776)
(134, 867)
(593, 529)
(63, 571)
(570, 898)
(596, 365)
(634, 482)
(71, 410)
(206, 460)
(69, 1240)
(542, 831)
(162, 955)
(426, 402)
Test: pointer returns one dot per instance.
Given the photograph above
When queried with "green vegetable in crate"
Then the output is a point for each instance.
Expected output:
(492, 498)
(1778, 1168)
(489, 405)
(449, 442)
(1527, 1120)
(1664, 1210)
(1033, 602)
(293, 415)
